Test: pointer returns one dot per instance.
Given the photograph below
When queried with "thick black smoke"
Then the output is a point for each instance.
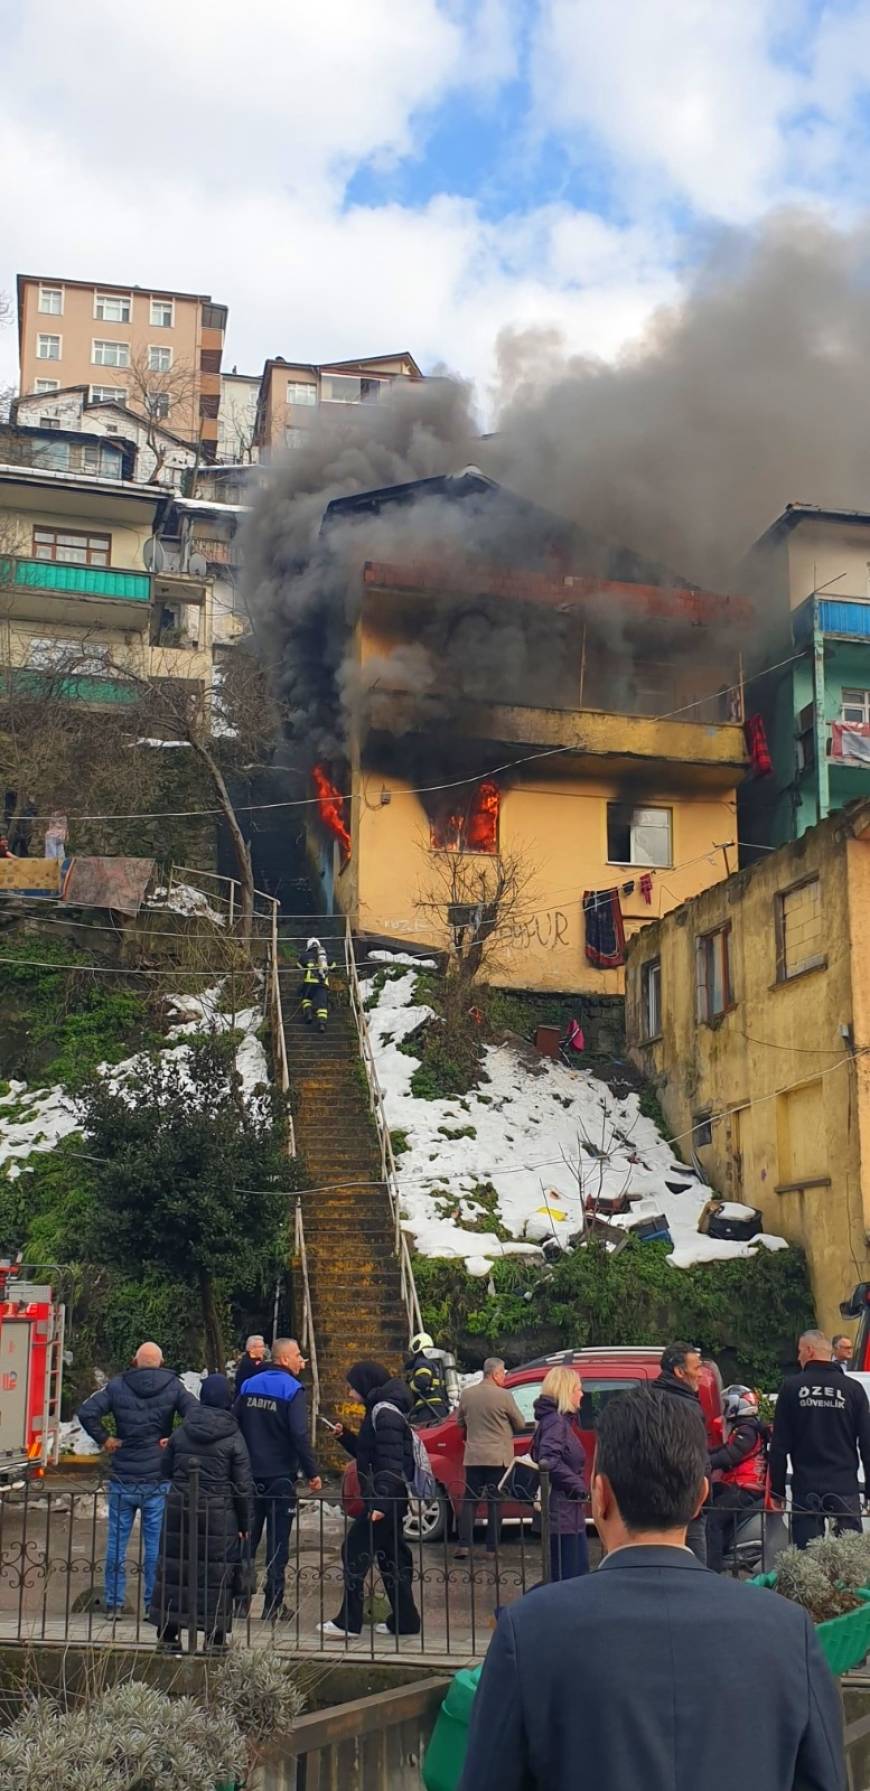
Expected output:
(666, 465)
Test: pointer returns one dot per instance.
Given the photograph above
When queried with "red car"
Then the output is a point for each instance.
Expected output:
(603, 1372)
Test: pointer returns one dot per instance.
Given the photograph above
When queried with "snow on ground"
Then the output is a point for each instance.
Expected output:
(544, 1136)
(186, 900)
(37, 1119)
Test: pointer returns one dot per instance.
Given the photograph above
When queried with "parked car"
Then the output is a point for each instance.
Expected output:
(604, 1372)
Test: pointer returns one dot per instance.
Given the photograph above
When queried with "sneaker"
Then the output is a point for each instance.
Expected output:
(332, 1629)
(383, 1629)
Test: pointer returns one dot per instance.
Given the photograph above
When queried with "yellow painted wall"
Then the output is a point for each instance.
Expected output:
(560, 828)
(764, 1069)
(17, 524)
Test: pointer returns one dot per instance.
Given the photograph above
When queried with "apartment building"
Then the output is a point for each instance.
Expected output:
(748, 1008)
(291, 392)
(73, 433)
(81, 593)
(129, 345)
(237, 418)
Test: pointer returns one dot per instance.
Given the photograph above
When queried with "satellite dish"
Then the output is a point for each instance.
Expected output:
(154, 554)
(197, 565)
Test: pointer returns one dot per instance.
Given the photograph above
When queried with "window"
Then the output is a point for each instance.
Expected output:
(638, 835)
(801, 1138)
(856, 706)
(596, 1395)
(108, 394)
(111, 354)
(299, 392)
(159, 359)
(112, 307)
(51, 300)
(49, 422)
(158, 405)
(47, 385)
(651, 998)
(471, 826)
(53, 455)
(525, 1397)
(98, 457)
(800, 933)
(713, 974)
(295, 438)
(209, 404)
(71, 548)
(162, 313)
(48, 348)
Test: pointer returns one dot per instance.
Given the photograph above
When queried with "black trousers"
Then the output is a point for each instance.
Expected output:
(811, 1510)
(481, 1483)
(727, 1503)
(383, 1543)
(274, 1508)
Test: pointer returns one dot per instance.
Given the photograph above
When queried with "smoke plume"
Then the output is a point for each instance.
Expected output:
(662, 467)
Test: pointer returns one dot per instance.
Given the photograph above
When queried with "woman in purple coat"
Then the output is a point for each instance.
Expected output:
(557, 1447)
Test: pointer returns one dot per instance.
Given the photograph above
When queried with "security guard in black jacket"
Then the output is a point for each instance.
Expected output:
(822, 1421)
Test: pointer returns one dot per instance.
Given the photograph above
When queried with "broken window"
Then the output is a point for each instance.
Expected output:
(470, 826)
(638, 835)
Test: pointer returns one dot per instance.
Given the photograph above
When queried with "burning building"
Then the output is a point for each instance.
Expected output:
(512, 691)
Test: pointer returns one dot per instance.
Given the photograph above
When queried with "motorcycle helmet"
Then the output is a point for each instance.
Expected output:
(421, 1341)
(739, 1402)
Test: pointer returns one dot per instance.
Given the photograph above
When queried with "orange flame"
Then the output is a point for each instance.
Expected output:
(474, 828)
(330, 806)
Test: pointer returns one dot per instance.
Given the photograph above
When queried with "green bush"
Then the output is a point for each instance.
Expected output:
(61, 1022)
(745, 1313)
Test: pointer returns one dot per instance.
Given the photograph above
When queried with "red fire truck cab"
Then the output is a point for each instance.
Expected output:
(31, 1370)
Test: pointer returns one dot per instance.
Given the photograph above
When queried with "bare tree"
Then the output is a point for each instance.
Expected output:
(476, 900)
(165, 399)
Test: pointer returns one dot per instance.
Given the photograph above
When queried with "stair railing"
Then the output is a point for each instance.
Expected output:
(389, 1175)
(307, 1340)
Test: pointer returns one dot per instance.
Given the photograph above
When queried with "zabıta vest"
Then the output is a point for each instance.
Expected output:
(751, 1472)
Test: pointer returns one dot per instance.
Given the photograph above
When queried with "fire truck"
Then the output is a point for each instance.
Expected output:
(31, 1371)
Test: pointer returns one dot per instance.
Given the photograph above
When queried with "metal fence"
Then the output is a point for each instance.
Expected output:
(53, 1582)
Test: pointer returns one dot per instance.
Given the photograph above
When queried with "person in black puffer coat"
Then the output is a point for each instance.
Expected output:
(384, 1455)
(211, 1439)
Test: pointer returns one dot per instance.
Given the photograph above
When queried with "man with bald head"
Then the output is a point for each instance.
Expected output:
(822, 1424)
(273, 1418)
(143, 1403)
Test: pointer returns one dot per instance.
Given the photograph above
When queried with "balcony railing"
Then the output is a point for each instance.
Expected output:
(848, 617)
(17, 573)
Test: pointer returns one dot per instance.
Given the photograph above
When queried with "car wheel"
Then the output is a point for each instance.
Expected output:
(428, 1521)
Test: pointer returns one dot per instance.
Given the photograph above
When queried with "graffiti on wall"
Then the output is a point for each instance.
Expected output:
(544, 932)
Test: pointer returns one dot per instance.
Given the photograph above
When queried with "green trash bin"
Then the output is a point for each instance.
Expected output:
(445, 1755)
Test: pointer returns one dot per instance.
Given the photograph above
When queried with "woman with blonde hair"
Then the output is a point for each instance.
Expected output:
(557, 1447)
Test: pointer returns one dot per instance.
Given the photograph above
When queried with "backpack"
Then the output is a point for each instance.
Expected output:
(422, 1485)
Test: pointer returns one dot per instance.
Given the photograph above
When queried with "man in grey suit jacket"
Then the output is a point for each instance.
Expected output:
(653, 1672)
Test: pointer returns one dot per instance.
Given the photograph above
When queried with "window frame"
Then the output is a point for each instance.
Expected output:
(650, 974)
(87, 536)
(120, 394)
(853, 690)
(159, 323)
(44, 388)
(160, 348)
(49, 336)
(704, 945)
(302, 385)
(641, 864)
(44, 310)
(820, 961)
(110, 342)
(114, 298)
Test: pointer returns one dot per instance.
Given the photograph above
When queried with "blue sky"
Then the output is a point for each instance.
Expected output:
(366, 175)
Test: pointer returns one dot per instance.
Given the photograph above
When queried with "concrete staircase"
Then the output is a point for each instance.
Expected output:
(353, 1273)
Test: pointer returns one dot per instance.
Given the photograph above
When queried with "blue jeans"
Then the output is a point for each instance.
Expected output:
(126, 1497)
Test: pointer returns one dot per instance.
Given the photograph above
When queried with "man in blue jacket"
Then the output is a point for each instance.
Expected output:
(273, 1419)
(143, 1403)
(640, 1674)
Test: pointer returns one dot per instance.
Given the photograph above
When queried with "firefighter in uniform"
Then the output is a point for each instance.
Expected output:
(425, 1376)
(741, 1462)
(314, 994)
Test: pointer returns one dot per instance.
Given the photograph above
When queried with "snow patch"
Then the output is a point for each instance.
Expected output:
(184, 899)
(545, 1137)
(401, 957)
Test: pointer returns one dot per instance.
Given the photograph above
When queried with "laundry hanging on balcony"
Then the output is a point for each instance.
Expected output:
(851, 740)
(605, 932)
(756, 745)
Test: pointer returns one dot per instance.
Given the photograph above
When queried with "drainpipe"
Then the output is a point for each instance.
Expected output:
(819, 723)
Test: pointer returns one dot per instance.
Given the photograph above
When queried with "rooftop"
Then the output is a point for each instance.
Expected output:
(797, 512)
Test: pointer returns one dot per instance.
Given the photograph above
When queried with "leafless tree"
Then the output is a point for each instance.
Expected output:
(165, 400)
(475, 899)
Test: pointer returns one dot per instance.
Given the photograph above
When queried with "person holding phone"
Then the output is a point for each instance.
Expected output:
(384, 1454)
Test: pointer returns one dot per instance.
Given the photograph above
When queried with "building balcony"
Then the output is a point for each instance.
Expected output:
(844, 618)
(54, 591)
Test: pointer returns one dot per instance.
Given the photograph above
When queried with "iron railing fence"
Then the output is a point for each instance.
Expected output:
(54, 1587)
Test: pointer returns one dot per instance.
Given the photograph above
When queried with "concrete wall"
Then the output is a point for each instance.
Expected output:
(827, 556)
(787, 1128)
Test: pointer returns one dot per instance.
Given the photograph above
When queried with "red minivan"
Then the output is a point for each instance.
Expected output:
(603, 1372)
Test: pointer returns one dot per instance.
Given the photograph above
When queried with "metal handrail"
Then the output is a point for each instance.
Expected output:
(308, 1340)
(389, 1174)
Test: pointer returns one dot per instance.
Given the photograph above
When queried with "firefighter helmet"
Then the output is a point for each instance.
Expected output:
(739, 1402)
(420, 1342)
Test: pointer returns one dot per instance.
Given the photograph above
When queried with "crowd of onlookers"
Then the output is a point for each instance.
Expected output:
(665, 1499)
